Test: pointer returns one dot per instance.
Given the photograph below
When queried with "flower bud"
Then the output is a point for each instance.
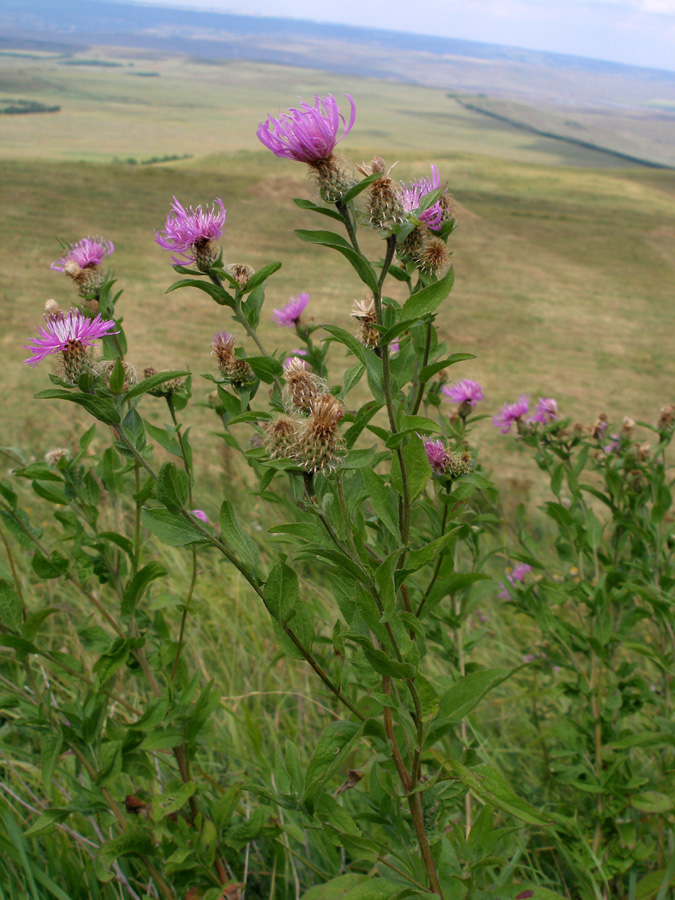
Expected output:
(53, 457)
(52, 308)
(104, 367)
(281, 436)
(364, 312)
(301, 387)
(319, 446)
(240, 272)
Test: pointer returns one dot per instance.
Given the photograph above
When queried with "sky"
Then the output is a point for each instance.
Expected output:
(636, 32)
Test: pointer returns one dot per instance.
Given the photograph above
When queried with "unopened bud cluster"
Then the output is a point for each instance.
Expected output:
(167, 388)
(233, 369)
(308, 432)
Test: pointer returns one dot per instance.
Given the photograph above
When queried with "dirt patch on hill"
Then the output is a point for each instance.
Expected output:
(279, 189)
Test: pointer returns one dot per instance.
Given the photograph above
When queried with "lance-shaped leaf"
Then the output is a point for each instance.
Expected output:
(329, 239)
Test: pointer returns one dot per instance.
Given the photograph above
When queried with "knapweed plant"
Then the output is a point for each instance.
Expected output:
(371, 566)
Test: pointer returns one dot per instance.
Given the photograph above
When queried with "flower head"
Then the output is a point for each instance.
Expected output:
(201, 515)
(464, 392)
(294, 355)
(189, 233)
(510, 413)
(514, 576)
(545, 411)
(308, 134)
(289, 316)
(69, 335)
(437, 455)
(416, 190)
(90, 251)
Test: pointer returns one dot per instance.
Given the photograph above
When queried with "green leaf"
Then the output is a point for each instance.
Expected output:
(242, 545)
(11, 614)
(428, 372)
(281, 593)
(49, 567)
(325, 211)
(154, 381)
(361, 186)
(266, 368)
(383, 500)
(173, 486)
(96, 406)
(51, 745)
(215, 291)
(359, 887)
(163, 740)
(260, 276)
(416, 559)
(417, 467)
(652, 802)
(170, 527)
(139, 584)
(370, 360)
(336, 242)
(490, 785)
(170, 802)
(132, 843)
(428, 299)
(461, 698)
(331, 751)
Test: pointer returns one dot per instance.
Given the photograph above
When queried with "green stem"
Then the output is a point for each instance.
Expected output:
(425, 360)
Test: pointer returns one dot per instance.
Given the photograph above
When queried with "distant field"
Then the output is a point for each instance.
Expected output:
(565, 262)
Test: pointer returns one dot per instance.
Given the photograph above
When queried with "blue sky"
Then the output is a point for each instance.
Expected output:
(638, 32)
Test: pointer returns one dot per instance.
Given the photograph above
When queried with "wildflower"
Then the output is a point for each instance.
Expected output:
(529, 658)
(413, 194)
(394, 347)
(308, 134)
(666, 417)
(189, 234)
(458, 464)
(545, 411)
(89, 252)
(433, 256)
(319, 446)
(466, 392)
(222, 347)
(201, 515)
(364, 312)
(72, 336)
(289, 316)
(83, 261)
(627, 425)
(294, 355)
(510, 413)
(104, 369)
(166, 388)
(53, 457)
(302, 387)
(599, 427)
(281, 436)
(241, 272)
(514, 577)
(384, 203)
(437, 455)
(614, 445)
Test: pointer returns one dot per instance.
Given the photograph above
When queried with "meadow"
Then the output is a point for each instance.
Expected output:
(564, 270)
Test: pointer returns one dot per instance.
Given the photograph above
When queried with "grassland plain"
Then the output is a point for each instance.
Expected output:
(564, 262)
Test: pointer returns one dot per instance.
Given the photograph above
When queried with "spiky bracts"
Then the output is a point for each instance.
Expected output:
(302, 387)
(364, 312)
(320, 446)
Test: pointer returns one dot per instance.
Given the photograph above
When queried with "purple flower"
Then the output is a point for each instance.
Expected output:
(518, 574)
(85, 253)
(66, 334)
(614, 445)
(529, 657)
(201, 515)
(545, 411)
(289, 315)
(469, 392)
(394, 347)
(437, 455)
(189, 233)
(510, 413)
(504, 593)
(416, 190)
(308, 134)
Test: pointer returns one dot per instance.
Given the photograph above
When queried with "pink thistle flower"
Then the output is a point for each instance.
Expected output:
(466, 391)
(308, 134)
(437, 455)
(416, 190)
(201, 515)
(189, 232)
(289, 316)
(90, 251)
(67, 334)
(504, 593)
(510, 413)
(545, 411)
(614, 445)
(394, 347)
(517, 576)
